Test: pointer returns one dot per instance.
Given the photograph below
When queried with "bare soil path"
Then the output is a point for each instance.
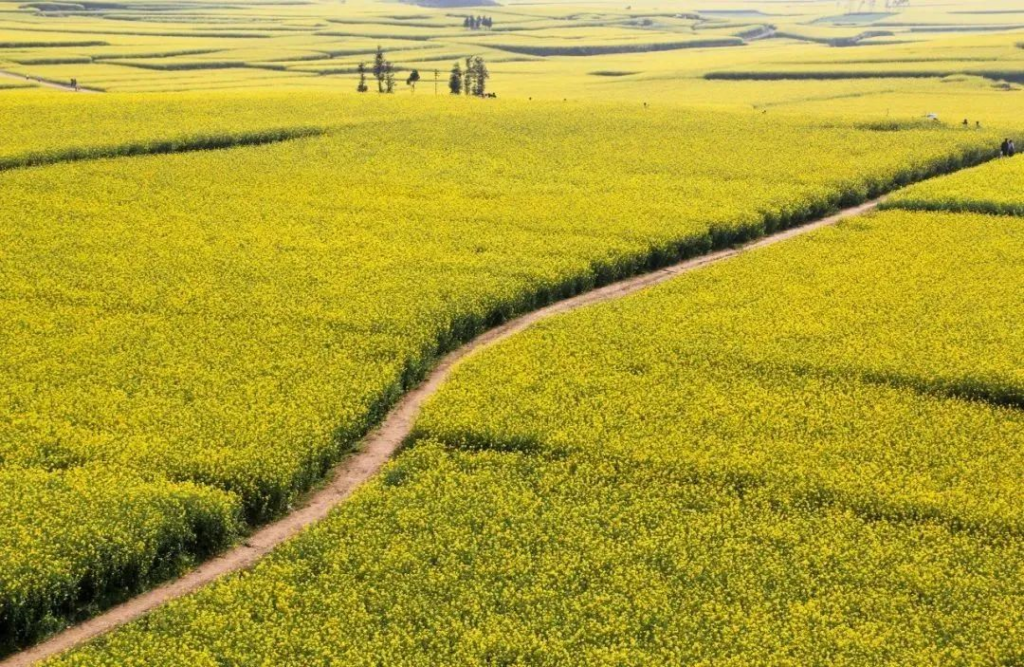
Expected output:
(377, 447)
(67, 87)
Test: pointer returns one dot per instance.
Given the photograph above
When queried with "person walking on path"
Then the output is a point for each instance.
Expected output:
(1011, 149)
(1004, 148)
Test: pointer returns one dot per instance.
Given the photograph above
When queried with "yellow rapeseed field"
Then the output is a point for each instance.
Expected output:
(994, 189)
(237, 319)
(810, 455)
(807, 455)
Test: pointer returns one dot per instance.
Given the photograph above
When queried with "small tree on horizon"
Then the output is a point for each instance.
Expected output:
(468, 76)
(455, 80)
(362, 87)
(379, 65)
(480, 76)
(414, 77)
(389, 77)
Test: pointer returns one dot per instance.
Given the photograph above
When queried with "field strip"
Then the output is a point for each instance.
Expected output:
(160, 147)
(378, 447)
(48, 84)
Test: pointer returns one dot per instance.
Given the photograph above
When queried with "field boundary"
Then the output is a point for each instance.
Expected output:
(377, 448)
(204, 142)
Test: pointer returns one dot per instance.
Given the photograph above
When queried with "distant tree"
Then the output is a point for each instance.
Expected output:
(362, 88)
(467, 22)
(414, 77)
(389, 77)
(488, 22)
(379, 63)
(480, 76)
(469, 76)
(455, 80)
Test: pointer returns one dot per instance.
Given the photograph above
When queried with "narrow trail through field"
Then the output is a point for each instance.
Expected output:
(378, 447)
(48, 84)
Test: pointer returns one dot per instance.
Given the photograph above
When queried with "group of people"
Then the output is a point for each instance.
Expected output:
(1007, 148)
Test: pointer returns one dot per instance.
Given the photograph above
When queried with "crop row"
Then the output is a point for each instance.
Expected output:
(181, 144)
(992, 189)
(841, 74)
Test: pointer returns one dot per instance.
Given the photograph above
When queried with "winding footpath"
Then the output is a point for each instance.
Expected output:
(377, 447)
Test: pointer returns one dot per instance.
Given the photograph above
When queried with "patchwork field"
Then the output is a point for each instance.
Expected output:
(222, 265)
(534, 50)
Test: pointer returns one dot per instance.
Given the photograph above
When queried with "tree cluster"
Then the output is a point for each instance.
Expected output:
(477, 22)
(383, 71)
(469, 81)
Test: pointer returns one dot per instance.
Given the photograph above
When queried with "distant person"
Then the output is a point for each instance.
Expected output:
(966, 123)
(1012, 150)
(1004, 148)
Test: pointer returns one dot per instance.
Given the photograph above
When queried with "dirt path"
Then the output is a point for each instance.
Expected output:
(47, 84)
(375, 450)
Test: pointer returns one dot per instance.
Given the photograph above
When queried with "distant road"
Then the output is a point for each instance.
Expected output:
(48, 84)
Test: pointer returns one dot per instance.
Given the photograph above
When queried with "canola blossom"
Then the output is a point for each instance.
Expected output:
(776, 460)
(222, 326)
(97, 126)
(876, 365)
(993, 189)
(98, 532)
